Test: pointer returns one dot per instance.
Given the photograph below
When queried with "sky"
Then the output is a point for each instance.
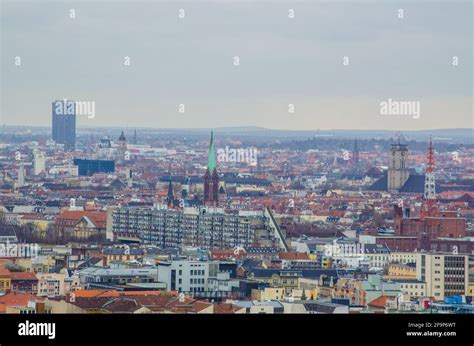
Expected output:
(283, 61)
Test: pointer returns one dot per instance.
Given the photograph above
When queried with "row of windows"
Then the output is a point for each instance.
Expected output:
(196, 281)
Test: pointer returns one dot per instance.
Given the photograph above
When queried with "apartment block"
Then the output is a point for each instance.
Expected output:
(208, 228)
(445, 275)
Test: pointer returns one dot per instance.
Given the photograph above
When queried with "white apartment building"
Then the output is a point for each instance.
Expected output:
(403, 257)
(187, 276)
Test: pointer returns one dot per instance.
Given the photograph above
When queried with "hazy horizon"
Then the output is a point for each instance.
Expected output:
(283, 61)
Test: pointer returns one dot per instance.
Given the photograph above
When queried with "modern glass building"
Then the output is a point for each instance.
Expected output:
(64, 123)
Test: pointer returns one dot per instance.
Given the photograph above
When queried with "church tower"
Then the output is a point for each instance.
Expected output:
(355, 153)
(211, 178)
(398, 172)
(122, 147)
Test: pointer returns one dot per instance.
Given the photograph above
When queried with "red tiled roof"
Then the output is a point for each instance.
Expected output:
(16, 299)
(23, 276)
(99, 218)
(4, 272)
(226, 308)
(379, 302)
(293, 256)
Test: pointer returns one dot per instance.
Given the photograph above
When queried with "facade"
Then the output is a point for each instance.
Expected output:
(54, 285)
(187, 276)
(442, 224)
(349, 288)
(411, 287)
(64, 124)
(375, 287)
(91, 167)
(289, 278)
(24, 282)
(269, 293)
(97, 277)
(403, 257)
(202, 227)
(377, 255)
(396, 270)
(5, 280)
(223, 285)
(81, 225)
(445, 275)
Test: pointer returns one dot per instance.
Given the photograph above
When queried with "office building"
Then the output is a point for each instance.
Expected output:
(64, 124)
(91, 167)
(445, 275)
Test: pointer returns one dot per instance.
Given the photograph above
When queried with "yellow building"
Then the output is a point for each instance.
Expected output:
(305, 294)
(470, 290)
(5, 280)
(401, 271)
(268, 293)
(25, 263)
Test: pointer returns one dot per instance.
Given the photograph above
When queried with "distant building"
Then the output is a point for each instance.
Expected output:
(211, 178)
(21, 176)
(398, 172)
(445, 275)
(399, 177)
(122, 147)
(91, 167)
(442, 224)
(39, 163)
(81, 225)
(64, 124)
(208, 228)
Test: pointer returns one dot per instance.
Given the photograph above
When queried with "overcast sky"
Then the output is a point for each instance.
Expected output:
(283, 61)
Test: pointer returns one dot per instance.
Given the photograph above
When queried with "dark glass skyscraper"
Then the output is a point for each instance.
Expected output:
(64, 123)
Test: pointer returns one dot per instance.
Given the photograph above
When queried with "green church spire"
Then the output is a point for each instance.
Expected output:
(211, 158)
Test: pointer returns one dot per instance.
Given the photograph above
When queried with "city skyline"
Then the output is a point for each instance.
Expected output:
(177, 61)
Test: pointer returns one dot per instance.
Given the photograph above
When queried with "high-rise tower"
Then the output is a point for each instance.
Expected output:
(64, 124)
(211, 178)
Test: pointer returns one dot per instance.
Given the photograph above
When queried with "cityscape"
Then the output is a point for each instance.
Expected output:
(187, 221)
(305, 168)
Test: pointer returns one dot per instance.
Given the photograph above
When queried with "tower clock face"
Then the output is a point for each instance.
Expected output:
(403, 153)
